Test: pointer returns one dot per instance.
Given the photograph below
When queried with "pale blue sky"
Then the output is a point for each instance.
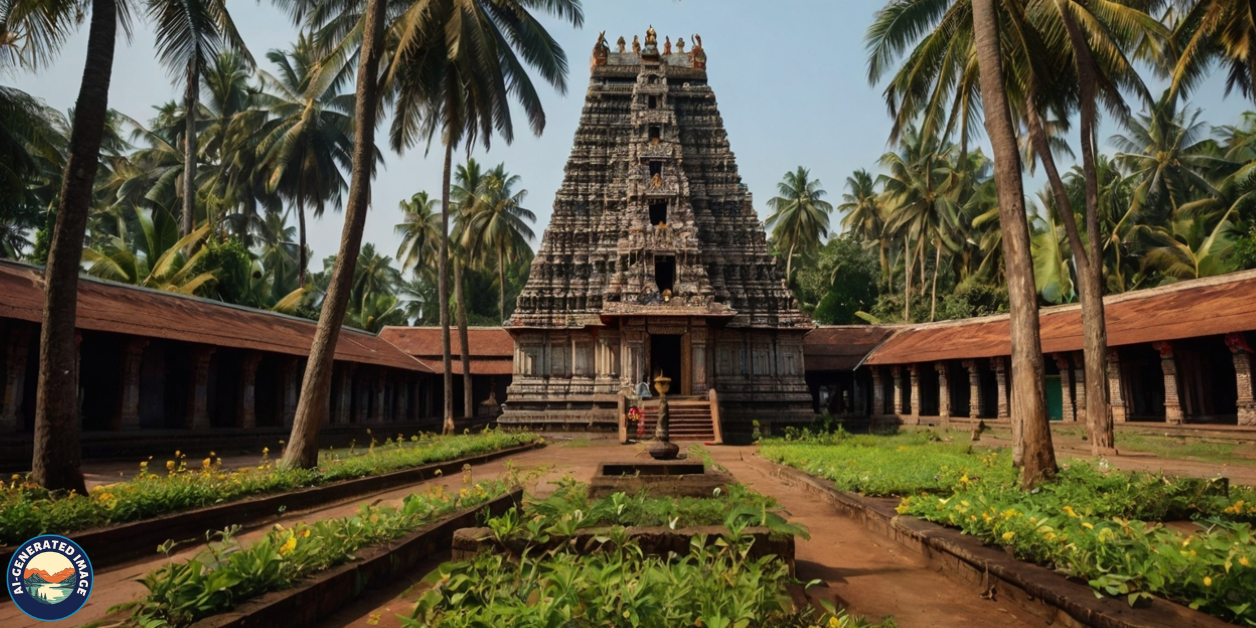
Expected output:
(789, 77)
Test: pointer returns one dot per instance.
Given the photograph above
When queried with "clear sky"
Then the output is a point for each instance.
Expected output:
(789, 77)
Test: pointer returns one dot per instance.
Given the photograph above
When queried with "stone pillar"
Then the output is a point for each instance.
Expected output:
(974, 389)
(999, 365)
(1116, 396)
(901, 392)
(1242, 355)
(289, 390)
(246, 404)
(19, 341)
(913, 372)
(361, 409)
(1079, 385)
(381, 396)
(344, 409)
(944, 392)
(878, 391)
(1172, 401)
(129, 408)
(198, 400)
(402, 404)
(1066, 386)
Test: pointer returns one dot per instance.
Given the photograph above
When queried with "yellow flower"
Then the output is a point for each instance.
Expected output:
(1244, 562)
(305, 533)
(170, 465)
(1088, 525)
(1069, 510)
(265, 450)
(1207, 581)
(1007, 536)
(288, 545)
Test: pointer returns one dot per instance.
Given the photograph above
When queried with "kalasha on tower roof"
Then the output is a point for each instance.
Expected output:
(652, 218)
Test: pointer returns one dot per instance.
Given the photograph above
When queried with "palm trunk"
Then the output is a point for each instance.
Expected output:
(302, 262)
(1094, 329)
(189, 149)
(1029, 416)
(442, 282)
(937, 263)
(908, 261)
(57, 454)
(464, 350)
(316, 386)
(884, 263)
(501, 282)
(1090, 288)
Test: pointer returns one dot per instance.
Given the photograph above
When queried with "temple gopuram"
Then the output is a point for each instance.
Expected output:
(654, 262)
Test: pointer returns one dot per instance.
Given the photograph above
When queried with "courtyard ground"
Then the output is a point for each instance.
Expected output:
(859, 570)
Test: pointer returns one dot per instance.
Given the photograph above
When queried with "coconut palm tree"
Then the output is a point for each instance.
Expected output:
(57, 454)
(420, 233)
(190, 35)
(312, 405)
(864, 215)
(1209, 31)
(309, 139)
(154, 257)
(456, 67)
(800, 215)
(495, 225)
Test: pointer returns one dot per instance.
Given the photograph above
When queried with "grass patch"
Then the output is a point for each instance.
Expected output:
(27, 510)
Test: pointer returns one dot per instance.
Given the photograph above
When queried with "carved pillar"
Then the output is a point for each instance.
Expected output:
(362, 396)
(913, 374)
(129, 407)
(698, 363)
(198, 400)
(974, 388)
(1172, 401)
(1079, 385)
(1242, 355)
(15, 377)
(1066, 386)
(1000, 375)
(1117, 396)
(246, 408)
(878, 391)
(944, 392)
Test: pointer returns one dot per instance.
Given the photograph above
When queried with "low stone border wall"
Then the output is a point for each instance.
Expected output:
(1038, 590)
(117, 544)
(654, 541)
(375, 568)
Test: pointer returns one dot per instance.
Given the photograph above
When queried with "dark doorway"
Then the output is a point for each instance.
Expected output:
(653, 102)
(658, 213)
(656, 167)
(665, 272)
(654, 135)
(665, 356)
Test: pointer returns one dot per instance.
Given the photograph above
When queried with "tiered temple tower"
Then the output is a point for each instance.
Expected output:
(654, 260)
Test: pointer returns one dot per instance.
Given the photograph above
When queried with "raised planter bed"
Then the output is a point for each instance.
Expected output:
(375, 568)
(1038, 590)
(117, 544)
(654, 541)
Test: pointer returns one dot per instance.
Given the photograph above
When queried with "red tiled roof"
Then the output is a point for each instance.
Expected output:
(424, 342)
(117, 308)
(841, 347)
(1187, 309)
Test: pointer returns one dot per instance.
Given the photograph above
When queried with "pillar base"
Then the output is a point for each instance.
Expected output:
(1173, 415)
(1247, 415)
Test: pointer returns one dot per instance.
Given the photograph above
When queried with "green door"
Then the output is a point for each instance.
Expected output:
(1055, 398)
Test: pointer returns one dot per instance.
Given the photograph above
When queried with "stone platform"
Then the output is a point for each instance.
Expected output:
(658, 478)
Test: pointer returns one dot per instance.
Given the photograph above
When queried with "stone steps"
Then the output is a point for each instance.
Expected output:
(690, 420)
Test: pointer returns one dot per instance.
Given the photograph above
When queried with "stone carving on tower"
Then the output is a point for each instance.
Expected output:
(654, 260)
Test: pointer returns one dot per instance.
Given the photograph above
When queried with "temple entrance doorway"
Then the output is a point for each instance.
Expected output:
(665, 355)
